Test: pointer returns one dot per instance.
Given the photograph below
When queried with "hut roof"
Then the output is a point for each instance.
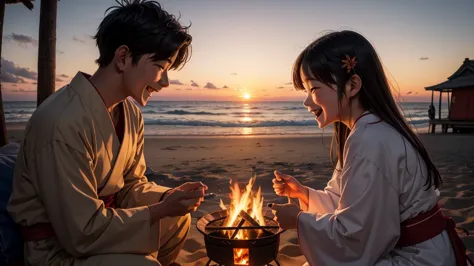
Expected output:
(462, 78)
(27, 3)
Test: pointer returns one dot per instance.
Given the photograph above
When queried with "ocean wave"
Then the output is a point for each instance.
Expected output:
(280, 123)
(272, 123)
(182, 112)
(419, 122)
(246, 113)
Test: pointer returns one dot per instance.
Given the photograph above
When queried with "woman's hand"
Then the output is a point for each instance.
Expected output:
(286, 185)
(286, 215)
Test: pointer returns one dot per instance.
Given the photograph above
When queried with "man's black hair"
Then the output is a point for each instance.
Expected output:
(145, 28)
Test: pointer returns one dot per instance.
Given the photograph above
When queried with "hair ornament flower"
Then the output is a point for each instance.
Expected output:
(349, 63)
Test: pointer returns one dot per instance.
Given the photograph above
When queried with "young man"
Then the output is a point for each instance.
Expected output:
(79, 191)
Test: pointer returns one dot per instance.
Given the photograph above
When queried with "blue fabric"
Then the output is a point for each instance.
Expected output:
(11, 244)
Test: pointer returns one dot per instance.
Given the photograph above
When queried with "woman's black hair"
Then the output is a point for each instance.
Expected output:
(323, 58)
(145, 28)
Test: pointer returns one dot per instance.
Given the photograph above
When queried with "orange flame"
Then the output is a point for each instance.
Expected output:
(249, 202)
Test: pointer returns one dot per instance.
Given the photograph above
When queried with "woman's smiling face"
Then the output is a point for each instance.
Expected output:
(321, 100)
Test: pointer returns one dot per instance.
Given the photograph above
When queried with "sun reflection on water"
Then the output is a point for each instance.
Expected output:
(247, 130)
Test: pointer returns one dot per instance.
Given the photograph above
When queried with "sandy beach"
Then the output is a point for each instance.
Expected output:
(215, 160)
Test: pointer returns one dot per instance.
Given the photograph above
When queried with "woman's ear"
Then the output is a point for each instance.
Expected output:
(353, 86)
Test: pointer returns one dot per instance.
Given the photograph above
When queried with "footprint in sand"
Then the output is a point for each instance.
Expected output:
(171, 148)
(457, 203)
(293, 240)
(217, 171)
(291, 250)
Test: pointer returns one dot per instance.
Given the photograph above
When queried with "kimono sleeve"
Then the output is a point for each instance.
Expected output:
(323, 201)
(364, 227)
(83, 225)
(137, 190)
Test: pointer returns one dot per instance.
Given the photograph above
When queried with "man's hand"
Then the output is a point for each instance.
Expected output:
(176, 203)
(286, 215)
(188, 186)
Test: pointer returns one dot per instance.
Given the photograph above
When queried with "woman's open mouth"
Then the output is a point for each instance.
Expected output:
(317, 112)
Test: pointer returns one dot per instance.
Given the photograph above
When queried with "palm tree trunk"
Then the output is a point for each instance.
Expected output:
(3, 126)
(47, 50)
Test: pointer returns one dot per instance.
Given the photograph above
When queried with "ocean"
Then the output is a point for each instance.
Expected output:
(172, 118)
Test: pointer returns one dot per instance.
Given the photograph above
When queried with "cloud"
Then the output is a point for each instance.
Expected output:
(63, 76)
(194, 84)
(280, 87)
(210, 86)
(83, 39)
(189, 89)
(35, 83)
(7, 77)
(59, 52)
(22, 40)
(225, 87)
(23, 90)
(408, 93)
(59, 80)
(178, 89)
(176, 82)
(233, 74)
(15, 74)
(424, 58)
(77, 39)
(289, 83)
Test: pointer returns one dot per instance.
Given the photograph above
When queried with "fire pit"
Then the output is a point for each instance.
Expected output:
(243, 234)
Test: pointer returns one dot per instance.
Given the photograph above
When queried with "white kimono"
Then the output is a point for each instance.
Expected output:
(356, 219)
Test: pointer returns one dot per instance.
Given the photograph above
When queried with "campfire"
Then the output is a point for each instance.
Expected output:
(241, 233)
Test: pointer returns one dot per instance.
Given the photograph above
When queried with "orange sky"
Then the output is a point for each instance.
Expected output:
(249, 47)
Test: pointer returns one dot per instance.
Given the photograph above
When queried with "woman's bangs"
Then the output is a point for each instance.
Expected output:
(318, 68)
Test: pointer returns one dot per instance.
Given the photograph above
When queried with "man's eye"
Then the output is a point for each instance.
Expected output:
(162, 68)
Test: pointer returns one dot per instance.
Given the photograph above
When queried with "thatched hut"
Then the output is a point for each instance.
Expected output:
(459, 89)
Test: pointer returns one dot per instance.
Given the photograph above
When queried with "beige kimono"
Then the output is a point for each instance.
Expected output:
(356, 219)
(71, 156)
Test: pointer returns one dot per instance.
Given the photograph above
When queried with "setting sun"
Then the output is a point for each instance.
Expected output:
(246, 96)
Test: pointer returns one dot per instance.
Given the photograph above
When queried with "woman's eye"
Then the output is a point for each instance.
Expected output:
(313, 89)
(160, 67)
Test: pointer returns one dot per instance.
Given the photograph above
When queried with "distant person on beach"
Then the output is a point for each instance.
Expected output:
(79, 193)
(381, 205)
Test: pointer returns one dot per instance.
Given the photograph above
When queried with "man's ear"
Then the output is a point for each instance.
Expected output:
(353, 86)
(121, 58)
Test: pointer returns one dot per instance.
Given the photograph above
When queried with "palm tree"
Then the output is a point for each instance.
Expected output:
(46, 54)
(47, 50)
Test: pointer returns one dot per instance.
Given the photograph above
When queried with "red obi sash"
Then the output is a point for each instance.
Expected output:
(44, 231)
(428, 225)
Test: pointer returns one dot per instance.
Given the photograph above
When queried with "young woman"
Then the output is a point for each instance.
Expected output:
(380, 206)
